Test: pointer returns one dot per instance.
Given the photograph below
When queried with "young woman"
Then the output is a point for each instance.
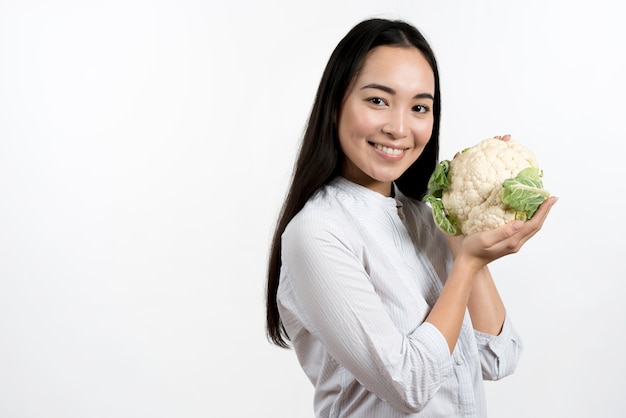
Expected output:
(388, 317)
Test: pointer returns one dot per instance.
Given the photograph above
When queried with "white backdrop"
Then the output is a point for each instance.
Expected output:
(146, 146)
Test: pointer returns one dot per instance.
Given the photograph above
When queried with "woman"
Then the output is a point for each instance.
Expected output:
(388, 317)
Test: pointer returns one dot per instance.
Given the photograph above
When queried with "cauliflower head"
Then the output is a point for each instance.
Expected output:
(486, 186)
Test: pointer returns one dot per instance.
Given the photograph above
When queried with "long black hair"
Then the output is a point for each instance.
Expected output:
(320, 158)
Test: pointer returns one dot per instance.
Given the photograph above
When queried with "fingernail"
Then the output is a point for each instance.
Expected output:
(517, 225)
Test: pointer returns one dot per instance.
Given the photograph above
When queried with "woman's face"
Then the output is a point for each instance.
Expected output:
(386, 118)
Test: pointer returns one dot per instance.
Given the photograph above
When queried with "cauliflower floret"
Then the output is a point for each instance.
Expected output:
(467, 193)
(474, 196)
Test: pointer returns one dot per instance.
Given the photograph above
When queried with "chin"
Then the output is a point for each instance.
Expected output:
(389, 177)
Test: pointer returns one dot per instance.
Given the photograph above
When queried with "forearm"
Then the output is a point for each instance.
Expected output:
(470, 285)
(485, 305)
(449, 310)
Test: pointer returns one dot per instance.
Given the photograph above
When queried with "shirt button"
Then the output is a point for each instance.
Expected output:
(459, 362)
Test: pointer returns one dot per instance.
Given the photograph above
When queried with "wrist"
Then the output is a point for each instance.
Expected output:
(468, 264)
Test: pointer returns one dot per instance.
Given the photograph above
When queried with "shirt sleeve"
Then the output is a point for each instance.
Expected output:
(339, 305)
(499, 354)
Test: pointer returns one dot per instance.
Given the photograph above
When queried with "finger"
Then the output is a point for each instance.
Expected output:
(542, 212)
(499, 237)
(503, 137)
(511, 237)
(516, 233)
(508, 238)
(529, 228)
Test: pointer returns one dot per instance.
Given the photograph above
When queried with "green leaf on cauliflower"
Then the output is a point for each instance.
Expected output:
(525, 193)
(443, 221)
(439, 181)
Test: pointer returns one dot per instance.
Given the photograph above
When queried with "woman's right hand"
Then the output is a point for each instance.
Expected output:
(483, 247)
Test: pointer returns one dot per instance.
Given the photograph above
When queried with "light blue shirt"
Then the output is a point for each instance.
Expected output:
(360, 273)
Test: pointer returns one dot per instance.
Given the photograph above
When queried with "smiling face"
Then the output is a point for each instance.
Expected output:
(386, 118)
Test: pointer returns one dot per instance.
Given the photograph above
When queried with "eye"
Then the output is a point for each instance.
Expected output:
(421, 109)
(377, 101)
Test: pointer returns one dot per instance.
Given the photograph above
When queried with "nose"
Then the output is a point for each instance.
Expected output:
(395, 125)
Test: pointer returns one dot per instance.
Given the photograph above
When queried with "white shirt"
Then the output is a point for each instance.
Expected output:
(359, 276)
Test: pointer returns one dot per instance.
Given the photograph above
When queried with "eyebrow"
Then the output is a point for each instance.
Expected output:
(392, 91)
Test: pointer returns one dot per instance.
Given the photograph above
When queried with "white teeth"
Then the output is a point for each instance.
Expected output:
(387, 150)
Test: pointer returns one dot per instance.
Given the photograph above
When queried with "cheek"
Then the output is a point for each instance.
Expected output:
(356, 125)
(424, 132)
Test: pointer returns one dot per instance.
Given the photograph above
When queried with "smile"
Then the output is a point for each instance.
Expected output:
(389, 151)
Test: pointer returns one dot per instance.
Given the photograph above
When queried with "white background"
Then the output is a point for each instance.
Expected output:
(145, 149)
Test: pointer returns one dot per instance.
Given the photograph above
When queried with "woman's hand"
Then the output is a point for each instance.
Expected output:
(481, 248)
(469, 284)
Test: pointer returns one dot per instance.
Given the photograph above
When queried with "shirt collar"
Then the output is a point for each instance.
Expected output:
(368, 195)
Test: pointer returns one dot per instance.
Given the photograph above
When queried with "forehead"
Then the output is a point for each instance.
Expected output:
(397, 67)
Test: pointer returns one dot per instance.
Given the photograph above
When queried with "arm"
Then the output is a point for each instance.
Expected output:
(338, 303)
(469, 284)
(485, 306)
(499, 345)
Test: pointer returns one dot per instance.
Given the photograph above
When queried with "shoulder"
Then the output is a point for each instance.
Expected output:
(316, 240)
(327, 218)
(324, 212)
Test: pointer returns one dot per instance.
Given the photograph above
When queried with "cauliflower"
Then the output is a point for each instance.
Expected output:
(485, 186)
